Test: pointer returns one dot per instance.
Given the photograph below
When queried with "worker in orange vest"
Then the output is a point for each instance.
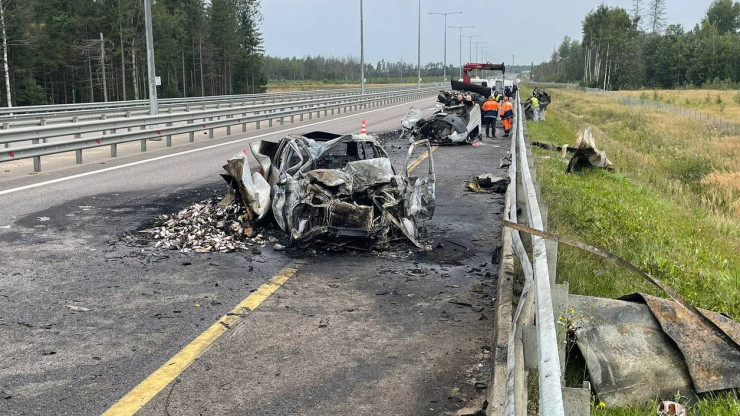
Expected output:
(507, 114)
(490, 113)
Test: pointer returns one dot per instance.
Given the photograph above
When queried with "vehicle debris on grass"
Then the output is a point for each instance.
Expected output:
(585, 153)
(324, 189)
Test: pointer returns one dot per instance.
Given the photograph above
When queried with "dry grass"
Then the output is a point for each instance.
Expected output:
(723, 104)
(692, 160)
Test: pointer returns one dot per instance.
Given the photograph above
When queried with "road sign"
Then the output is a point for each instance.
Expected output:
(157, 80)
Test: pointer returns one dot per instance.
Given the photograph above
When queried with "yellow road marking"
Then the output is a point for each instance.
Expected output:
(415, 164)
(147, 389)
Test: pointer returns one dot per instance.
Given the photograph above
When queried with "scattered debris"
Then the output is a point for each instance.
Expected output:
(203, 227)
(488, 182)
(324, 322)
(43, 219)
(456, 120)
(78, 308)
(669, 408)
(5, 395)
(586, 154)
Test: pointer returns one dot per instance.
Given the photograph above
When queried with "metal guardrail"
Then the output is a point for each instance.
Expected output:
(17, 117)
(539, 300)
(197, 121)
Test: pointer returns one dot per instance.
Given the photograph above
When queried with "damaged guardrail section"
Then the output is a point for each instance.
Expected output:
(535, 304)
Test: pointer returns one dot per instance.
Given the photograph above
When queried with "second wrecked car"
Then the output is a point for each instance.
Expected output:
(453, 122)
(333, 190)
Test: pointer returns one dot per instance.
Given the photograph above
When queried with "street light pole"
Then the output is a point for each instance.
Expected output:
(362, 53)
(470, 45)
(444, 68)
(478, 47)
(153, 106)
(418, 51)
(461, 36)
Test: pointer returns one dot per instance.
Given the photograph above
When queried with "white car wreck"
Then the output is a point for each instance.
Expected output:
(453, 122)
(332, 190)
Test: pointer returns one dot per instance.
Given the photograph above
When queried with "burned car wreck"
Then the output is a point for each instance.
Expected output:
(332, 190)
(454, 121)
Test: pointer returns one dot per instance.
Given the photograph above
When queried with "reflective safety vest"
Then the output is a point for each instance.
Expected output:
(535, 103)
(506, 107)
(490, 105)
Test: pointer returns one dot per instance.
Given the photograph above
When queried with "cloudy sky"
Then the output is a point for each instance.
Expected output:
(529, 29)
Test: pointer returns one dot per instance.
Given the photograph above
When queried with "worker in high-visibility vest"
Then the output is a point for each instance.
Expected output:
(535, 104)
(507, 114)
(490, 113)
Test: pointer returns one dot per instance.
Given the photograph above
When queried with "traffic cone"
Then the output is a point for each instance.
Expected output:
(364, 127)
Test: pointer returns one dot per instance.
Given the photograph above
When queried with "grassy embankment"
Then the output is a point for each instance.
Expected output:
(723, 104)
(671, 208)
(298, 85)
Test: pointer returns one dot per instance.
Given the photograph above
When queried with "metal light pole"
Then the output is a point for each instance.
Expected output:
(362, 53)
(461, 36)
(470, 45)
(477, 48)
(418, 50)
(444, 68)
(153, 106)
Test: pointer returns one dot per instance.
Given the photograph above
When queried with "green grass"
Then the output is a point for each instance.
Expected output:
(650, 211)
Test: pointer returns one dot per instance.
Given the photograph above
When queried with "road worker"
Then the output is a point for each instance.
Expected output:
(535, 103)
(507, 114)
(490, 113)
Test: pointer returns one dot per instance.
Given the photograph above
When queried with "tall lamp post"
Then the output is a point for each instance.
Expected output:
(418, 51)
(470, 45)
(461, 36)
(444, 68)
(362, 53)
(153, 107)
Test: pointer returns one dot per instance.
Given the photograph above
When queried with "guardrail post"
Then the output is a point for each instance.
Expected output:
(78, 156)
(292, 118)
(168, 140)
(37, 163)
(257, 125)
(114, 150)
(191, 136)
(310, 114)
(228, 130)
(143, 145)
(282, 120)
(210, 133)
(301, 117)
(244, 127)
(269, 123)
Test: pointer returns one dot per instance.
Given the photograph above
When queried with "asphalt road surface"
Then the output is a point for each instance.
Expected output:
(85, 318)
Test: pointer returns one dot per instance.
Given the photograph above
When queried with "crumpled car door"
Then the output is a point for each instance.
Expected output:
(420, 190)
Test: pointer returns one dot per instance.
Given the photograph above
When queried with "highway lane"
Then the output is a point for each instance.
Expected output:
(145, 305)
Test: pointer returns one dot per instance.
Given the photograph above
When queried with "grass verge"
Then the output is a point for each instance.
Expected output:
(652, 210)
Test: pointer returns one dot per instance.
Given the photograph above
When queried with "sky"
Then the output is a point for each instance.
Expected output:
(527, 29)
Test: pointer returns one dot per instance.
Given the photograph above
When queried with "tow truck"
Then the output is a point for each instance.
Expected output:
(484, 88)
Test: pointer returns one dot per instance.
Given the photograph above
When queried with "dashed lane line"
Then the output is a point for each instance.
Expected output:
(152, 385)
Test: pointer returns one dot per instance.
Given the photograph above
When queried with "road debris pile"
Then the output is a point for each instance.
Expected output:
(203, 227)
(488, 182)
(456, 120)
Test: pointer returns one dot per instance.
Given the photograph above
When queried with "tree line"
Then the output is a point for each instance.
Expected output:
(72, 51)
(631, 49)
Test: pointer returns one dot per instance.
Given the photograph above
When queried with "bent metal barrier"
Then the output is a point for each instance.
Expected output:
(150, 127)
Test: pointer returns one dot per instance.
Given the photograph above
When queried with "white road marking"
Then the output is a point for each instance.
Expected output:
(154, 159)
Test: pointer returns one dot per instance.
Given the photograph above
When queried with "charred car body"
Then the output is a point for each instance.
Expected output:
(333, 190)
(453, 122)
